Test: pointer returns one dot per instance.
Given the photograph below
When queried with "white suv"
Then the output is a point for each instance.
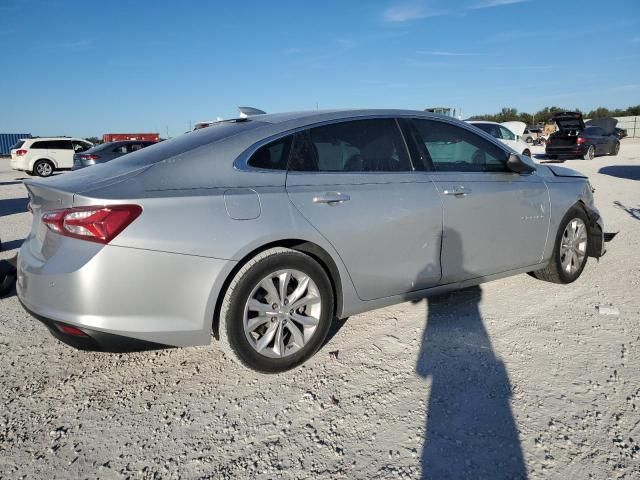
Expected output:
(43, 155)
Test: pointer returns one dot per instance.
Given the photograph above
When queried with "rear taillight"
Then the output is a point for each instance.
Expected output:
(580, 140)
(89, 157)
(21, 152)
(97, 224)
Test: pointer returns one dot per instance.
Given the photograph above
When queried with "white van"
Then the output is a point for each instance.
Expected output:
(44, 155)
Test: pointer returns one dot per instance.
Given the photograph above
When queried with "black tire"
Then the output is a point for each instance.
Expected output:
(590, 153)
(7, 278)
(527, 153)
(43, 168)
(615, 149)
(233, 340)
(554, 272)
(552, 157)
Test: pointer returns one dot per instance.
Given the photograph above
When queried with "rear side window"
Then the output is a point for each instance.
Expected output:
(453, 148)
(120, 149)
(593, 131)
(374, 145)
(272, 156)
(60, 145)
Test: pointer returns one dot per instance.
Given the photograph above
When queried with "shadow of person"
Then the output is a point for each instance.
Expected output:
(470, 429)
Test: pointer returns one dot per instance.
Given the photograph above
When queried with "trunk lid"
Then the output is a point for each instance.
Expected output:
(516, 127)
(42, 199)
(607, 124)
(569, 121)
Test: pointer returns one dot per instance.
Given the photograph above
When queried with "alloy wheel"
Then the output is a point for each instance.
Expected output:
(44, 169)
(573, 246)
(590, 153)
(282, 313)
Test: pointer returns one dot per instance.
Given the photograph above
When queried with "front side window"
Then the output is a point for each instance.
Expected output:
(374, 145)
(272, 156)
(507, 134)
(453, 148)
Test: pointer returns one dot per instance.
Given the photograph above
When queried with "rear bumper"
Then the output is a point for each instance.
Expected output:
(578, 150)
(94, 340)
(17, 165)
(108, 291)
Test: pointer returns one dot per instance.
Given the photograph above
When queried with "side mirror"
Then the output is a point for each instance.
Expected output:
(520, 164)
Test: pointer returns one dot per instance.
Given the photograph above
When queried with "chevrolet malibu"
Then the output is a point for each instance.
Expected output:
(261, 230)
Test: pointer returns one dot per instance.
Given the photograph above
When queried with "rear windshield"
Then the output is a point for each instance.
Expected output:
(188, 141)
(18, 145)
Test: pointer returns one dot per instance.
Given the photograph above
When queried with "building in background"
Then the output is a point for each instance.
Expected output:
(8, 140)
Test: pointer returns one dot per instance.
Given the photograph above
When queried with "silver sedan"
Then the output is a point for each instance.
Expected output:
(260, 231)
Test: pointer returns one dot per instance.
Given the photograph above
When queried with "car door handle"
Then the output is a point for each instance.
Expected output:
(331, 198)
(458, 191)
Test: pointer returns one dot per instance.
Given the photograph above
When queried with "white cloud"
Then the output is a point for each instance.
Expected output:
(438, 53)
(494, 3)
(407, 12)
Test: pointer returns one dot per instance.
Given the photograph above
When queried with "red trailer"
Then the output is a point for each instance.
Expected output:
(116, 137)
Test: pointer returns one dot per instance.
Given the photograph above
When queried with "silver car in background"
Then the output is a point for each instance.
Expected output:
(262, 230)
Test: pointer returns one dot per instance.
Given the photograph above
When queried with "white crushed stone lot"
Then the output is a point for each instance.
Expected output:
(515, 379)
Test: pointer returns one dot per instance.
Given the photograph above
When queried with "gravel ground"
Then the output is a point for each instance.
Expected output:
(515, 379)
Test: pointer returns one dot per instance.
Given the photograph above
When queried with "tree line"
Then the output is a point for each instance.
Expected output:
(512, 114)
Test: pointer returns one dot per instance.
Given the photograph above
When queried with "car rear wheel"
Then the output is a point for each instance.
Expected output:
(527, 153)
(277, 311)
(590, 153)
(570, 250)
(43, 168)
(552, 157)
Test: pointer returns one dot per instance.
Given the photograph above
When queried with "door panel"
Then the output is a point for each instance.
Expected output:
(494, 220)
(388, 231)
(499, 223)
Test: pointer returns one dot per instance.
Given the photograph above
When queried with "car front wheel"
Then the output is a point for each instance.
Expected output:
(570, 249)
(277, 311)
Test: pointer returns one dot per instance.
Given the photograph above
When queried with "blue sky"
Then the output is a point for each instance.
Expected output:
(87, 67)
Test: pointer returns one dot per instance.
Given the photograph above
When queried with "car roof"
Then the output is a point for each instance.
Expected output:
(36, 139)
(313, 116)
(483, 121)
